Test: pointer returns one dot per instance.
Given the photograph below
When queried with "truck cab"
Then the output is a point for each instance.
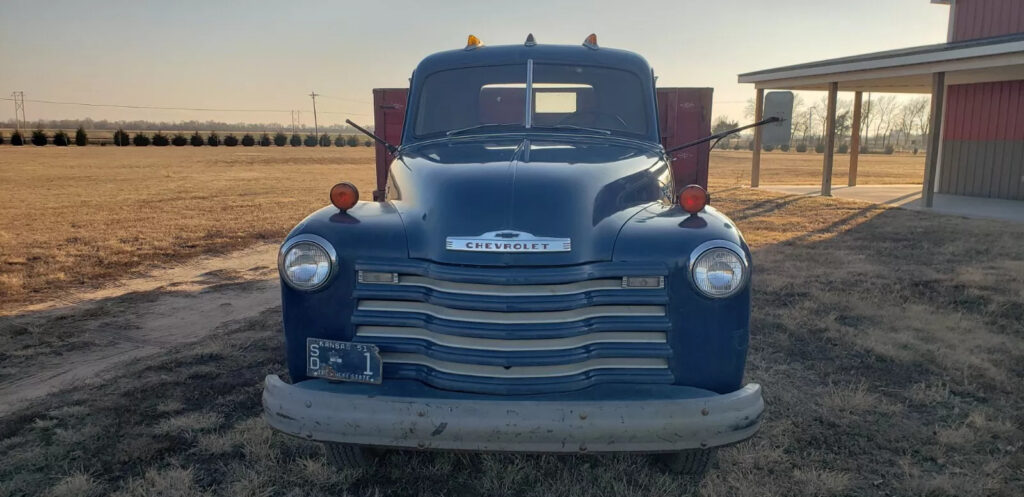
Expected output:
(533, 279)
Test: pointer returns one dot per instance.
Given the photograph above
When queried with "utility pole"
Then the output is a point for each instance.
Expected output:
(19, 108)
(293, 122)
(316, 128)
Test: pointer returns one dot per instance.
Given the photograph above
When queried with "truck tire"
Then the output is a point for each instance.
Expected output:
(692, 462)
(343, 456)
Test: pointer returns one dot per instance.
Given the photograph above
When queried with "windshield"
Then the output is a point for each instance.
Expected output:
(564, 97)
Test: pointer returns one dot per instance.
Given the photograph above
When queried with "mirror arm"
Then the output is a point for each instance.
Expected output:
(391, 148)
(718, 136)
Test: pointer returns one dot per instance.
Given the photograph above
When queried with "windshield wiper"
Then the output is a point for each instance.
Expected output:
(479, 126)
(573, 126)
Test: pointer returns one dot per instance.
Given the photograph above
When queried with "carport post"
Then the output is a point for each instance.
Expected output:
(932, 161)
(755, 165)
(855, 138)
(830, 141)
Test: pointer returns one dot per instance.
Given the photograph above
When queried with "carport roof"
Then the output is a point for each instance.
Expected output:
(905, 70)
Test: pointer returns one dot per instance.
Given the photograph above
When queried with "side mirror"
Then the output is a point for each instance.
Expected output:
(778, 104)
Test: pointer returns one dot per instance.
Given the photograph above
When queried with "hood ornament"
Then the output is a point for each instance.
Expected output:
(508, 241)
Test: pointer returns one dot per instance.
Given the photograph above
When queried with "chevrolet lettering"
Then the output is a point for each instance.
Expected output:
(536, 271)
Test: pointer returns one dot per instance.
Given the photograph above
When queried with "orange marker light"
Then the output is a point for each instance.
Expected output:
(693, 198)
(344, 196)
(591, 41)
(473, 42)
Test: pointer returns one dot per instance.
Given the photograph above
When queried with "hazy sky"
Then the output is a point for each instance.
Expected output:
(269, 55)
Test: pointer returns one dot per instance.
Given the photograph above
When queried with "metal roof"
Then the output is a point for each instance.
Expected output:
(906, 69)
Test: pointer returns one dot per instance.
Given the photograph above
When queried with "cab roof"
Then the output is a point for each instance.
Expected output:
(516, 54)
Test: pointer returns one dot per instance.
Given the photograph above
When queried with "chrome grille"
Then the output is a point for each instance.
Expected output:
(535, 335)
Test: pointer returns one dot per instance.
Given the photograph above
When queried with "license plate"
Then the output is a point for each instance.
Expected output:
(343, 361)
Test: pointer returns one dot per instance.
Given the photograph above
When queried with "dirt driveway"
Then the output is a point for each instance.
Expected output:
(83, 337)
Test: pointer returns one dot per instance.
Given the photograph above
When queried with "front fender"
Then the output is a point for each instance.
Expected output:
(368, 231)
(709, 337)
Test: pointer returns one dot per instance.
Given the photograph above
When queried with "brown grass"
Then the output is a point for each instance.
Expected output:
(791, 168)
(889, 343)
(76, 218)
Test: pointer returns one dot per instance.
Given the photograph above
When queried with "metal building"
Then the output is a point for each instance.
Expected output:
(976, 80)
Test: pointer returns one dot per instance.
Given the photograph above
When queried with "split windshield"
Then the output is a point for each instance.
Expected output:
(560, 97)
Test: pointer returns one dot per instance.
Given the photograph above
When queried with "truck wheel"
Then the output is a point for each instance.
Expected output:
(692, 462)
(343, 456)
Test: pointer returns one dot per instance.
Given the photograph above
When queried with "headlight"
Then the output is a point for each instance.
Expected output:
(719, 270)
(306, 262)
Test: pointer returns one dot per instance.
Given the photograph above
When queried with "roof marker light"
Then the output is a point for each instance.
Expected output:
(530, 41)
(693, 198)
(473, 42)
(591, 42)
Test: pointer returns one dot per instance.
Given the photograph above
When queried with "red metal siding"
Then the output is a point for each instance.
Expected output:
(985, 111)
(684, 115)
(388, 118)
(984, 18)
(983, 141)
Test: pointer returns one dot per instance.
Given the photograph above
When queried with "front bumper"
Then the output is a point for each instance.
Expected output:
(407, 414)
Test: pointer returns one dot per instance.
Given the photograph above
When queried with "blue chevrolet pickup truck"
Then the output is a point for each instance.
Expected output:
(532, 281)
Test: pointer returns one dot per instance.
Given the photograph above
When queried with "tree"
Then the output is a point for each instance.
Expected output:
(352, 141)
(280, 139)
(39, 137)
(60, 138)
(723, 123)
(339, 141)
(248, 140)
(196, 140)
(213, 139)
(140, 140)
(367, 142)
(230, 140)
(179, 140)
(265, 140)
(16, 139)
(310, 141)
(295, 140)
(325, 140)
(81, 139)
(160, 139)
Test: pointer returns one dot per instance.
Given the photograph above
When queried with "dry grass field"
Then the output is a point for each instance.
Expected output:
(791, 168)
(73, 218)
(889, 342)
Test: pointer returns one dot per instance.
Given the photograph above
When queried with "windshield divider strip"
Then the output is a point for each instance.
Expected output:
(528, 121)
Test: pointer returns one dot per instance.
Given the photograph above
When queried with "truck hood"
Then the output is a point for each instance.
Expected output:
(581, 189)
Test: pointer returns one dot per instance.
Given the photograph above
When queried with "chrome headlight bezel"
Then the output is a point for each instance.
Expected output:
(317, 241)
(705, 248)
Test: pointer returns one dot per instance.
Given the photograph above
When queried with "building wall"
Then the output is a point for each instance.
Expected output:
(983, 140)
(984, 18)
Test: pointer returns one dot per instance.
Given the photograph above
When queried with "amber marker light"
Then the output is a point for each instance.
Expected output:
(344, 196)
(693, 198)
(473, 42)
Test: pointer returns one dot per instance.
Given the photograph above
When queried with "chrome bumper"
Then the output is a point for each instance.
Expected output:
(321, 411)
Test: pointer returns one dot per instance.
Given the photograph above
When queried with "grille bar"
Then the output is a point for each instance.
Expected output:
(466, 369)
(512, 290)
(511, 317)
(503, 345)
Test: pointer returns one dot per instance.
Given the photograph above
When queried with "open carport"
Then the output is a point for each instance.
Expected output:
(976, 147)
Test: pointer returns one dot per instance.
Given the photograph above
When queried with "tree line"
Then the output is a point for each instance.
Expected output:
(121, 138)
(182, 126)
(888, 123)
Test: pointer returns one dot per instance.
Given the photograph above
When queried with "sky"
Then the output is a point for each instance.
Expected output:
(268, 56)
